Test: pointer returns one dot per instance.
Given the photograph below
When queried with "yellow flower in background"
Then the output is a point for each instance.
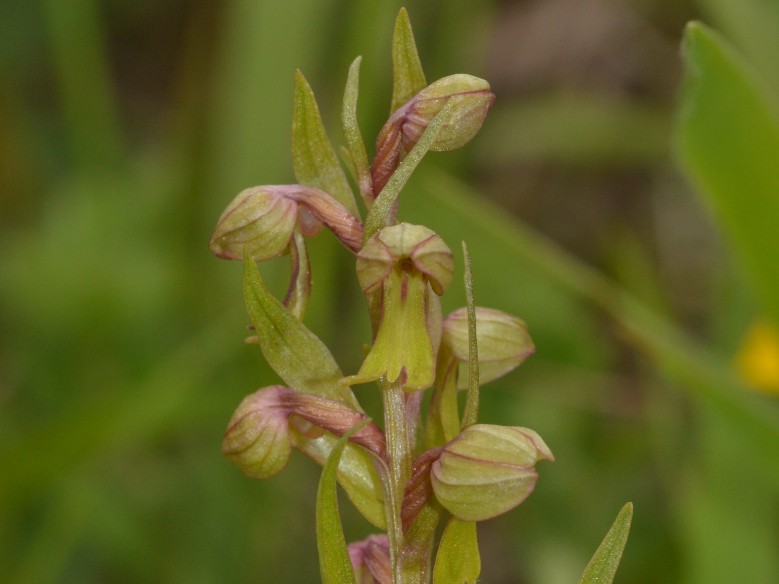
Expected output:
(758, 360)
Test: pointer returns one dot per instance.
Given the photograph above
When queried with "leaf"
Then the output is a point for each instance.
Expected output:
(728, 143)
(380, 210)
(458, 560)
(605, 561)
(313, 157)
(356, 474)
(471, 413)
(351, 129)
(408, 79)
(334, 563)
(752, 26)
(294, 352)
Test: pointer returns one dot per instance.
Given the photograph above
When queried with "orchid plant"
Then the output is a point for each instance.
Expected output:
(419, 473)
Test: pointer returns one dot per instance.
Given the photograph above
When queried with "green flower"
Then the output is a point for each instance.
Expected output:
(399, 262)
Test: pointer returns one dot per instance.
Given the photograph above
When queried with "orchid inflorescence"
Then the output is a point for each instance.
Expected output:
(415, 474)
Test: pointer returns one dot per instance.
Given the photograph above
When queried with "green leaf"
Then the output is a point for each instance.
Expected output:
(458, 560)
(752, 26)
(313, 157)
(294, 352)
(728, 143)
(356, 474)
(408, 78)
(605, 561)
(351, 129)
(471, 413)
(380, 210)
(334, 563)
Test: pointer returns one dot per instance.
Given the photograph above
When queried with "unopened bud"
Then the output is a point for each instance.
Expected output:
(262, 220)
(503, 341)
(371, 561)
(487, 470)
(471, 100)
(257, 438)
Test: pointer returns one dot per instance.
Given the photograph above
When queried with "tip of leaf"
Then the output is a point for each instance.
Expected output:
(300, 78)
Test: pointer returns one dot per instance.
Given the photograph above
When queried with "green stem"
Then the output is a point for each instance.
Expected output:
(399, 455)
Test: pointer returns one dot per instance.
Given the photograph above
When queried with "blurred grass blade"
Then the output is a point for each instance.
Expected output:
(313, 157)
(704, 376)
(334, 563)
(605, 561)
(88, 99)
(471, 413)
(380, 211)
(458, 560)
(296, 354)
(728, 143)
(408, 78)
(351, 129)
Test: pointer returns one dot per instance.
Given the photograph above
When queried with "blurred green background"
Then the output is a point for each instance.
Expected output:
(127, 126)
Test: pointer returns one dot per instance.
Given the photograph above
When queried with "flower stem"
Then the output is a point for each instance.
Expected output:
(399, 456)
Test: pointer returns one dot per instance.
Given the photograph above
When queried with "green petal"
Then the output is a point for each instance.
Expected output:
(403, 341)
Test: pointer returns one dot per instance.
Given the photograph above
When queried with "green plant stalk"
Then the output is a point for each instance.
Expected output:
(399, 456)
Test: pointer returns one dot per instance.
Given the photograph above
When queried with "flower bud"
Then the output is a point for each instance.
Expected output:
(503, 340)
(400, 261)
(371, 561)
(257, 438)
(262, 220)
(471, 100)
(487, 470)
